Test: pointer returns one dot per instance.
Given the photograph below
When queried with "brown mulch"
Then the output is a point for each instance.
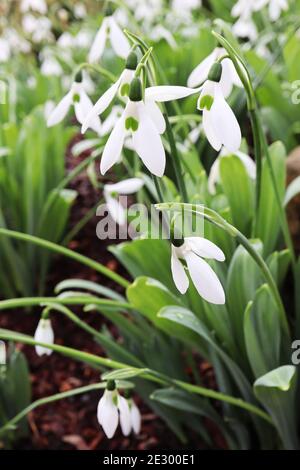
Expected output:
(71, 423)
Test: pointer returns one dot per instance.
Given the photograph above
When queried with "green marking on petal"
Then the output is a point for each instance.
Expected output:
(206, 102)
(131, 123)
(76, 98)
(124, 91)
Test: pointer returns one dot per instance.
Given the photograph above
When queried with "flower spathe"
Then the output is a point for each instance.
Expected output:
(109, 30)
(205, 280)
(229, 76)
(115, 208)
(78, 98)
(44, 334)
(219, 122)
(114, 409)
(144, 121)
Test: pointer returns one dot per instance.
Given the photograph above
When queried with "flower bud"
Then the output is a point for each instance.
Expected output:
(215, 72)
(136, 91)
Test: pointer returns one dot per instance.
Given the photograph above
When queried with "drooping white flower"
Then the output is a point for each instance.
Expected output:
(111, 193)
(219, 122)
(78, 97)
(135, 415)
(144, 121)
(188, 5)
(192, 251)
(121, 85)
(38, 28)
(112, 409)
(229, 75)
(44, 334)
(2, 353)
(245, 27)
(214, 175)
(80, 10)
(50, 66)
(109, 30)
(39, 6)
(275, 7)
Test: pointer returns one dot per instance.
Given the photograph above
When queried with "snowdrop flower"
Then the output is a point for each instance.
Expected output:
(109, 30)
(82, 105)
(144, 121)
(36, 5)
(189, 5)
(2, 353)
(122, 86)
(219, 122)
(112, 409)
(192, 250)
(275, 7)
(51, 67)
(80, 11)
(38, 28)
(214, 175)
(229, 75)
(245, 27)
(160, 32)
(111, 192)
(44, 334)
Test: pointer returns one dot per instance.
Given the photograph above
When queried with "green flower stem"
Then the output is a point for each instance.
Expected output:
(66, 252)
(73, 300)
(147, 374)
(258, 159)
(96, 68)
(9, 425)
(175, 159)
(214, 218)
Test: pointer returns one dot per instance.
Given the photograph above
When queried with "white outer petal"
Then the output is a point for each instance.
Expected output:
(224, 122)
(205, 248)
(118, 39)
(179, 275)
(248, 163)
(83, 108)
(114, 144)
(205, 279)
(44, 334)
(214, 176)
(101, 105)
(168, 93)
(209, 130)
(226, 82)
(99, 43)
(116, 210)
(125, 418)
(60, 111)
(147, 142)
(129, 186)
(136, 419)
(200, 73)
(107, 414)
(156, 115)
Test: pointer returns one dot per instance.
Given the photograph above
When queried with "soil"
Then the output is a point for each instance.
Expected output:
(71, 423)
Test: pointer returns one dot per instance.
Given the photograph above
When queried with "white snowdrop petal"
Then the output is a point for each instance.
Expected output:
(116, 210)
(148, 144)
(179, 275)
(205, 279)
(125, 418)
(107, 414)
(83, 108)
(209, 130)
(99, 43)
(226, 82)
(136, 419)
(224, 123)
(129, 186)
(60, 111)
(200, 73)
(156, 115)
(205, 248)
(44, 334)
(214, 176)
(118, 39)
(165, 93)
(113, 147)
(248, 163)
(101, 105)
